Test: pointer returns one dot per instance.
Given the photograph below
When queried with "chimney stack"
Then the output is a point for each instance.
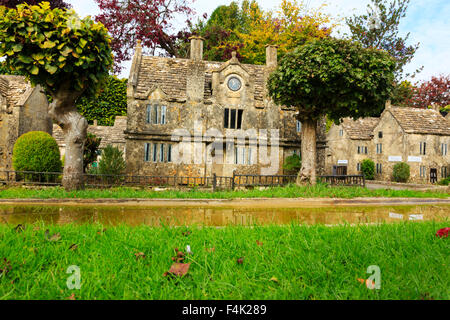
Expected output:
(271, 56)
(388, 104)
(196, 48)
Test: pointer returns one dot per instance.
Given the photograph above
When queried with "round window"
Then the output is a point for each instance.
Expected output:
(234, 84)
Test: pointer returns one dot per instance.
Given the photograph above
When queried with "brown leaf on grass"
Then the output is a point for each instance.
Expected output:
(259, 243)
(240, 260)
(72, 297)
(369, 283)
(102, 231)
(179, 256)
(55, 237)
(274, 279)
(140, 255)
(5, 266)
(19, 228)
(178, 269)
(73, 247)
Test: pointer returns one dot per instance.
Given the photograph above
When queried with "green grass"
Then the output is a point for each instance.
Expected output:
(315, 262)
(318, 191)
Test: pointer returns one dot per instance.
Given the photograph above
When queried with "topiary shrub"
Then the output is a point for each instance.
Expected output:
(368, 169)
(401, 172)
(36, 151)
(112, 162)
(292, 164)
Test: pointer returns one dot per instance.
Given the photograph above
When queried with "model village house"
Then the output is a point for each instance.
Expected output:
(419, 137)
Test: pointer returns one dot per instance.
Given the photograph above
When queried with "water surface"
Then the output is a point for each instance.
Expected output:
(217, 216)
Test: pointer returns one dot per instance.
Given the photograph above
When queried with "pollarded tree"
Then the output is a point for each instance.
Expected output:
(329, 76)
(65, 55)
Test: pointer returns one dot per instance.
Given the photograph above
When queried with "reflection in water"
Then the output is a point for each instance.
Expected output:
(216, 216)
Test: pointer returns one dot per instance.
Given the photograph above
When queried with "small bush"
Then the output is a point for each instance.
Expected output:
(368, 169)
(112, 162)
(401, 172)
(36, 151)
(444, 182)
(292, 164)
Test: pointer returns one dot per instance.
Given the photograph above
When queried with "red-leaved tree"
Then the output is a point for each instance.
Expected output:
(53, 3)
(434, 91)
(147, 20)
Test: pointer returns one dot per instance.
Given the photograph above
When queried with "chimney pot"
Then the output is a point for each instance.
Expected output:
(196, 48)
(271, 56)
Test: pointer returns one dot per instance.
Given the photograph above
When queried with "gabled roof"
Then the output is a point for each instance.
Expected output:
(170, 75)
(15, 89)
(108, 134)
(420, 121)
(360, 129)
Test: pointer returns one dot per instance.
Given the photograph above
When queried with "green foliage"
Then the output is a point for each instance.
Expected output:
(52, 47)
(401, 172)
(292, 164)
(444, 182)
(336, 77)
(112, 162)
(379, 28)
(90, 153)
(111, 102)
(36, 151)
(368, 169)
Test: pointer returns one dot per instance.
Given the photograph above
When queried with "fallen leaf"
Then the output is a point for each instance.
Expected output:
(140, 255)
(443, 233)
(72, 297)
(259, 243)
(274, 279)
(19, 228)
(240, 260)
(73, 247)
(55, 237)
(178, 269)
(369, 283)
(5, 266)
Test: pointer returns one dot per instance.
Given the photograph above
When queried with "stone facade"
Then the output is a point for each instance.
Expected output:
(23, 108)
(419, 137)
(174, 104)
(110, 135)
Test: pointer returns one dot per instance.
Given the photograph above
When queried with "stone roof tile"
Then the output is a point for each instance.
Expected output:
(422, 121)
(360, 129)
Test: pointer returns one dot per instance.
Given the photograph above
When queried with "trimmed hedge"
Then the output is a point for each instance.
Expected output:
(401, 172)
(36, 151)
(368, 169)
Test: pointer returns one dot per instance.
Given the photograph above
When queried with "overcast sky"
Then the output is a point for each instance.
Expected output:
(427, 21)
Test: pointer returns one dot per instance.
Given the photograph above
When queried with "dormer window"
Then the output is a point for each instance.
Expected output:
(299, 126)
(156, 114)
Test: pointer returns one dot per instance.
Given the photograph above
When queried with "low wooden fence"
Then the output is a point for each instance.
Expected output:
(215, 182)
(351, 180)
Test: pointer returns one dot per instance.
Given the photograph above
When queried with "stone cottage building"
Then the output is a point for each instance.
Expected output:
(110, 135)
(419, 137)
(23, 108)
(190, 117)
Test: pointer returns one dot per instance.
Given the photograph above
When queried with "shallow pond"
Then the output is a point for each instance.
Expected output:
(218, 216)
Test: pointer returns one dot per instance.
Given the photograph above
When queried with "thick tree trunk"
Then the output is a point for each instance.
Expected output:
(64, 112)
(307, 174)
